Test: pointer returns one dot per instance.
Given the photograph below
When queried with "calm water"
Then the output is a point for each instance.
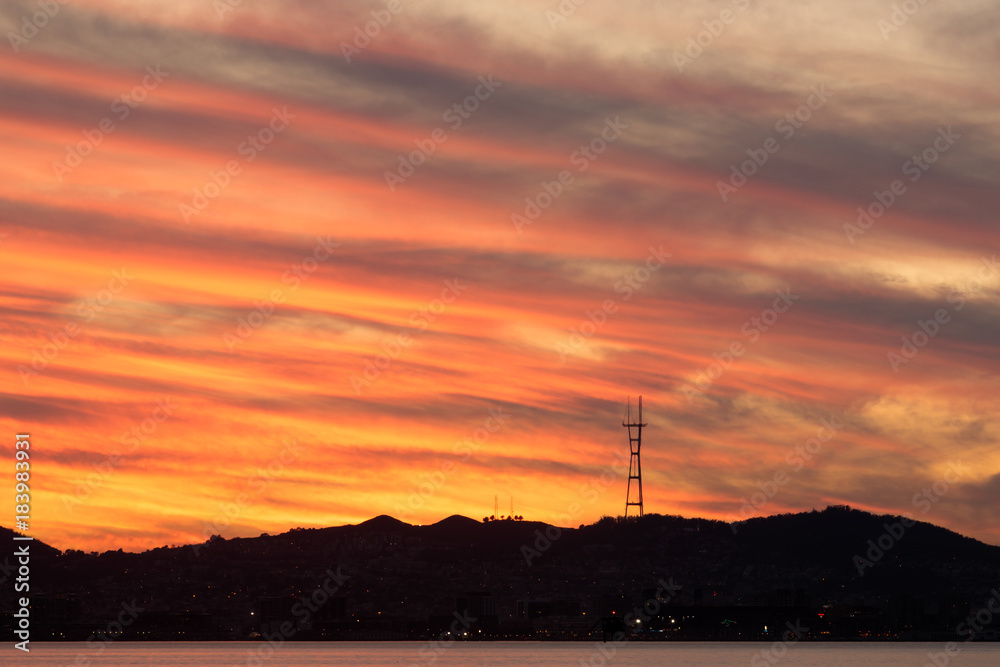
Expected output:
(499, 654)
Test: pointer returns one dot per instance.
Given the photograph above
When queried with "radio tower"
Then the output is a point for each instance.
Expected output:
(634, 466)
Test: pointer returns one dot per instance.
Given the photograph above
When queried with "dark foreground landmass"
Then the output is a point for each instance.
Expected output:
(839, 574)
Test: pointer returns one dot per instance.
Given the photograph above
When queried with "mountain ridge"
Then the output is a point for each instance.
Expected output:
(854, 574)
(388, 522)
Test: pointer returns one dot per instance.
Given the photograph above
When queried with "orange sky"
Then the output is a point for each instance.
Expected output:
(220, 318)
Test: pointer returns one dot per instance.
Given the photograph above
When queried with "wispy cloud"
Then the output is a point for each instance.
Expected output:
(655, 184)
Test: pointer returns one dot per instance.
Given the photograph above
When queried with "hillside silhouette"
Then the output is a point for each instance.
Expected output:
(853, 574)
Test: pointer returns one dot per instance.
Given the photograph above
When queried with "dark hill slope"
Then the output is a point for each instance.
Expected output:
(393, 570)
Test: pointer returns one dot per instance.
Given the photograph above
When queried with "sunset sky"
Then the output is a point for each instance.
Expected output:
(262, 270)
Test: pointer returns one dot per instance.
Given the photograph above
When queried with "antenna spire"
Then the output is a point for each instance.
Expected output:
(635, 465)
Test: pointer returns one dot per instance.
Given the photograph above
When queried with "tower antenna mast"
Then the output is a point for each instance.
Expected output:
(635, 465)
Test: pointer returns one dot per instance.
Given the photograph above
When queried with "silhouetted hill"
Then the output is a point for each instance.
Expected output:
(863, 575)
(383, 522)
(457, 522)
(37, 546)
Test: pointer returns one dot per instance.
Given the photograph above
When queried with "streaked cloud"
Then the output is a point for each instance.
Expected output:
(87, 359)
